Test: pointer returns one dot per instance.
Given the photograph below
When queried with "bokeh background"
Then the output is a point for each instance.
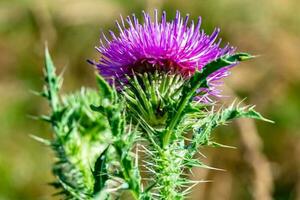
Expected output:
(266, 163)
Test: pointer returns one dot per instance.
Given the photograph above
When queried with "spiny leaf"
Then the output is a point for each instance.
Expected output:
(52, 82)
(223, 62)
(75, 128)
(240, 112)
(100, 172)
(114, 115)
(198, 80)
(105, 90)
(202, 129)
(69, 178)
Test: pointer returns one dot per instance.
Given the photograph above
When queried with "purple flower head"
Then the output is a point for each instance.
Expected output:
(176, 46)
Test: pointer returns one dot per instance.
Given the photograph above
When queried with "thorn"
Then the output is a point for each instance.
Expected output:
(41, 140)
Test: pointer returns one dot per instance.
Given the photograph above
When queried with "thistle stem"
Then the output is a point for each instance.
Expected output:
(183, 103)
(168, 174)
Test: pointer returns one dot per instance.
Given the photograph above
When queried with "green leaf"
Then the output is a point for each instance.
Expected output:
(198, 80)
(243, 112)
(105, 89)
(52, 82)
(77, 130)
(69, 178)
(223, 62)
(100, 172)
(202, 129)
(114, 115)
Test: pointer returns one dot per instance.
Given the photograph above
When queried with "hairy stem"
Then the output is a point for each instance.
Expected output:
(168, 171)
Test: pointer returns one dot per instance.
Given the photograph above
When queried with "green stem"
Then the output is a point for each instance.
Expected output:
(168, 174)
(183, 103)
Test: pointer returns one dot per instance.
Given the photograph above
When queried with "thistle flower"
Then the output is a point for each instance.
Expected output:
(171, 47)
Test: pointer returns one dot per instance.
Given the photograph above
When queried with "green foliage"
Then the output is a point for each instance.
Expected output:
(70, 180)
(123, 139)
(100, 172)
(53, 83)
(107, 130)
(78, 135)
(110, 107)
(203, 128)
(198, 80)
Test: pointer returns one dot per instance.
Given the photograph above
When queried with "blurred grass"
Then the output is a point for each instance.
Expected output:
(267, 28)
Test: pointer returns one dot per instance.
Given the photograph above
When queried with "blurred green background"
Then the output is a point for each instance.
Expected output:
(266, 163)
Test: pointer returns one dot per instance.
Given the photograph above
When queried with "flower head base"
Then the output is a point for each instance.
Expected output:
(175, 46)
